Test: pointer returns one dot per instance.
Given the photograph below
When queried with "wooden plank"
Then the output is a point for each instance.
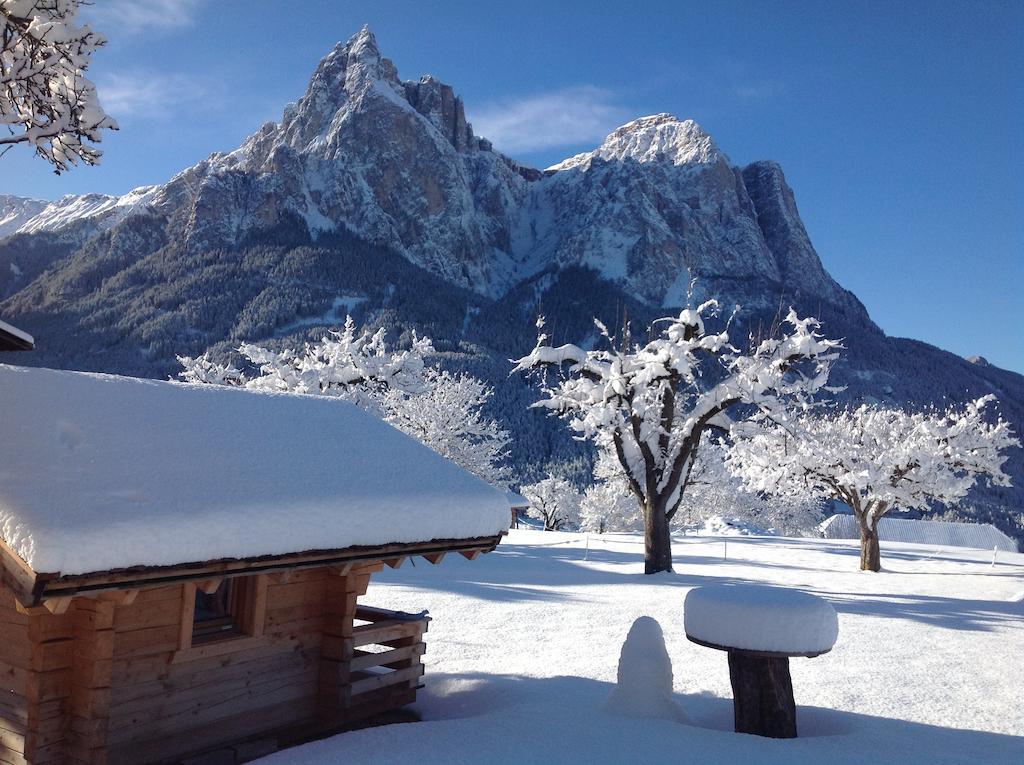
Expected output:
(16, 574)
(146, 641)
(179, 715)
(140, 615)
(152, 576)
(223, 647)
(384, 631)
(208, 673)
(57, 605)
(186, 616)
(177, 745)
(365, 660)
(376, 682)
(296, 594)
(119, 597)
(159, 700)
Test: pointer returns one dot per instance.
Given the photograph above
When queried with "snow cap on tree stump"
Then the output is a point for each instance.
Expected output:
(760, 618)
(644, 687)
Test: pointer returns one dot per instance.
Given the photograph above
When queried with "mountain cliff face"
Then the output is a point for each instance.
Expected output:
(396, 163)
(373, 195)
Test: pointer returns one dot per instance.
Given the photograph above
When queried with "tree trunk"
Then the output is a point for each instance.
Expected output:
(762, 695)
(870, 554)
(657, 540)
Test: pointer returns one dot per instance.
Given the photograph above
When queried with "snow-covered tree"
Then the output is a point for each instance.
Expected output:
(203, 370)
(441, 410)
(875, 459)
(448, 416)
(46, 100)
(795, 515)
(715, 492)
(650, 404)
(554, 501)
(609, 506)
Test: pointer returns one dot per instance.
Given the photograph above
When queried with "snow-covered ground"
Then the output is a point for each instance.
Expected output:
(524, 646)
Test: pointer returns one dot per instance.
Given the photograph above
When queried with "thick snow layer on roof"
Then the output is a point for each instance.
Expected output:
(100, 472)
(981, 536)
(759, 618)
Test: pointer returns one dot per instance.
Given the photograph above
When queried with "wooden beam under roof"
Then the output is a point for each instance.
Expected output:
(34, 588)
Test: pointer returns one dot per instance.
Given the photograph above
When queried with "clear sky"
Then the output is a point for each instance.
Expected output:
(900, 126)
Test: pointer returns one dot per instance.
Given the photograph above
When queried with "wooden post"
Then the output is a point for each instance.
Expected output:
(336, 650)
(90, 678)
(762, 693)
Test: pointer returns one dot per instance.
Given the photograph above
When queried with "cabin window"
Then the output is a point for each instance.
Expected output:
(218, 613)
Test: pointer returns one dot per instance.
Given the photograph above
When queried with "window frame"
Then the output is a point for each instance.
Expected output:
(248, 617)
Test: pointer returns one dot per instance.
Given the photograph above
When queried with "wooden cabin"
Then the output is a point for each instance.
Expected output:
(14, 339)
(182, 567)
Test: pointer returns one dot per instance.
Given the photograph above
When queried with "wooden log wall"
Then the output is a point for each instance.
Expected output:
(15, 663)
(105, 680)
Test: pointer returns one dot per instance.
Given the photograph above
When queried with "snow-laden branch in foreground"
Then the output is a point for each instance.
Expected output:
(875, 459)
(650, 404)
(45, 98)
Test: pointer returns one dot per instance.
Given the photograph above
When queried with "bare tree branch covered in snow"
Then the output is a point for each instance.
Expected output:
(45, 98)
(650, 404)
(439, 409)
(553, 501)
(875, 459)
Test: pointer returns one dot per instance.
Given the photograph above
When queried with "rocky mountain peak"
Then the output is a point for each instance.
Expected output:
(660, 138)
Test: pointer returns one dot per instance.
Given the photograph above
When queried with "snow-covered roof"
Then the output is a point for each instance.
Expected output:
(516, 500)
(14, 338)
(99, 472)
(981, 536)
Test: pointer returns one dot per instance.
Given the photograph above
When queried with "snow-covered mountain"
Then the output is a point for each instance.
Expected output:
(373, 194)
(397, 164)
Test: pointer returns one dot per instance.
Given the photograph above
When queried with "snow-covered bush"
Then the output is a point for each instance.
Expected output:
(650, 404)
(439, 409)
(46, 100)
(553, 501)
(874, 459)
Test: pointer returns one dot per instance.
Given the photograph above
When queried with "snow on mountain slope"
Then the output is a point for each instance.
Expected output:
(15, 212)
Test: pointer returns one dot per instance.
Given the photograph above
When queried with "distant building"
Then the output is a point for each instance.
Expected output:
(981, 536)
(517, 504)
(13, 339)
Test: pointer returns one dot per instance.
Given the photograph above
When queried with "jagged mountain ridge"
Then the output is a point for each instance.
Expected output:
(373, 195)
(396, 163)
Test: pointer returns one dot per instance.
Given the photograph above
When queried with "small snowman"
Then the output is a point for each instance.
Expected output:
(644, 687)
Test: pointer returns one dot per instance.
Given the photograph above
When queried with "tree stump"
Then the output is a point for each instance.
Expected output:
(762, 693)
(761, 628)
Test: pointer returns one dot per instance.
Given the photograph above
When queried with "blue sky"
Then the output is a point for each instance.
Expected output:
(899, 125)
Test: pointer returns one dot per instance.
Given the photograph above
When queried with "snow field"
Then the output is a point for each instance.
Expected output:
(524, 646)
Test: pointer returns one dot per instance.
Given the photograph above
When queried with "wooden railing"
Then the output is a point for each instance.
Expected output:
(387, 656)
